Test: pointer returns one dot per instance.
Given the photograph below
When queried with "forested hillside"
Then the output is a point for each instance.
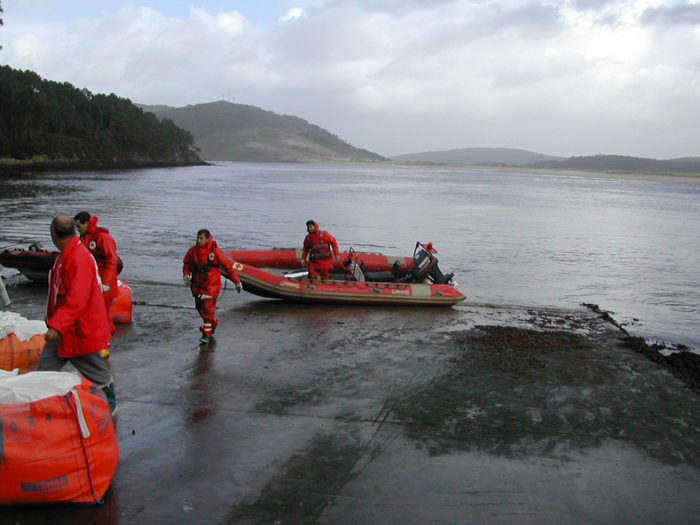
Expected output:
(57, 122)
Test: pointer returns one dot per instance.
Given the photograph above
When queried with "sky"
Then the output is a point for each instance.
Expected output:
(559, 77)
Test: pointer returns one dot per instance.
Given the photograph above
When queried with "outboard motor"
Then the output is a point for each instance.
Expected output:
(437, 276)
(421, 264)
(425, 264)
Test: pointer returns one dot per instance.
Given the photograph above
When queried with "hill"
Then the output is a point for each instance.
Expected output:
(686, 159)
(65, 126)
(508, 156)
(227, 131)
(624, 163)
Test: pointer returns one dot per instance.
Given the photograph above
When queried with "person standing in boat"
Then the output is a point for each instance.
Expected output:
(201, 271)
(318, 246)
(103, 248)
(77, 321)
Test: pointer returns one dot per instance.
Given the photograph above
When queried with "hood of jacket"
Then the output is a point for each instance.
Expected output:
(92, 225)
(208, 246)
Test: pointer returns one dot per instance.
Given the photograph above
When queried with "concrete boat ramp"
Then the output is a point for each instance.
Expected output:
(347, 415)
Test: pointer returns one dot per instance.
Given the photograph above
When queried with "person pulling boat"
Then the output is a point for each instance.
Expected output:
(201, 271)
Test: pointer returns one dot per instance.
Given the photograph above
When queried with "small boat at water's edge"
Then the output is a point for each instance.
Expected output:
(266, 284)
(290, 259)
(413, 281)
(35, 262)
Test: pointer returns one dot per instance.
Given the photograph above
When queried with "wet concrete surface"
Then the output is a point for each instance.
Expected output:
(300, 414)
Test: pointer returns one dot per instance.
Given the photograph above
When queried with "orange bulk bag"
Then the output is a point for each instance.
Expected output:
(58, 442)
(122, 306)
(21, 342)
(22, 355)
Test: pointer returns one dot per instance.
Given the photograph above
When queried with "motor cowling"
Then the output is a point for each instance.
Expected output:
(421, 265)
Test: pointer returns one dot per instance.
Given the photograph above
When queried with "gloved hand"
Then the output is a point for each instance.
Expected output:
(187, 279)
(239, 287)
(106, 288)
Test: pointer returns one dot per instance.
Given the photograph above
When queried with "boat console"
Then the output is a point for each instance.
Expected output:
(423, 267)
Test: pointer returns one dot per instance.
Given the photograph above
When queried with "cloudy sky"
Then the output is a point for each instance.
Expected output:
(560, 77)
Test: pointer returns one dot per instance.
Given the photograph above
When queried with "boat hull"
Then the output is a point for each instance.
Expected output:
(265, 284)
(33, 264)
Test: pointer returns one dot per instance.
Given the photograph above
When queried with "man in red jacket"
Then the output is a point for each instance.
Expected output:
(318, 246)
(201, 271)
(103, 248)
(78, 326)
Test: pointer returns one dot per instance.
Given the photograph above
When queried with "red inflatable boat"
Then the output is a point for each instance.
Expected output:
(290, 259)
(35, 262)
(410, 281)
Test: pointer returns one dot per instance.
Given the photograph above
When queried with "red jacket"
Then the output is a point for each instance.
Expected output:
(76, 307)
(202, 263)
(104, 249)
(320, 246)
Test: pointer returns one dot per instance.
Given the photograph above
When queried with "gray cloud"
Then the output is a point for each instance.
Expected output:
(683, 14)
(563, 78)
(592, 5)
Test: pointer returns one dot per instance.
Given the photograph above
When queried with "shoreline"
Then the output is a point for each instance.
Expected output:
(678, 178)
(13, 169)
(16, 169)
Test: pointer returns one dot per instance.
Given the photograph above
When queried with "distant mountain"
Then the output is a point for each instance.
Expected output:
(624, 163)
(686, 159)
(507, 156)
(226, 131)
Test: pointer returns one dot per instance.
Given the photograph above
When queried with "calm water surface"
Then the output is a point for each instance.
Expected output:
(519, 239)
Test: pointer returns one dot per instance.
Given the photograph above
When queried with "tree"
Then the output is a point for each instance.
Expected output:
(1, 22)
(61, 121)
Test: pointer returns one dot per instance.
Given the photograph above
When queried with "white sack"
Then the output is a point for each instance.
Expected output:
(35, 386)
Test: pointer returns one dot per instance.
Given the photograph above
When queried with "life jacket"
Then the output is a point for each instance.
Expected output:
(203, 264)
(203, 269)
(322, 251)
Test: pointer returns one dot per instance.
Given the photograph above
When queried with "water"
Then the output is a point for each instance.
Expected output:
(518, 239)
